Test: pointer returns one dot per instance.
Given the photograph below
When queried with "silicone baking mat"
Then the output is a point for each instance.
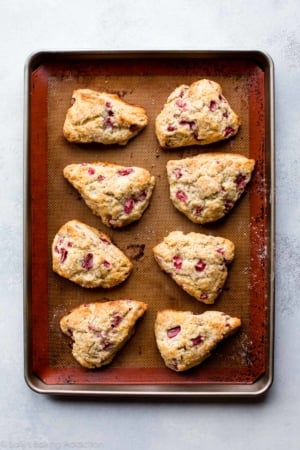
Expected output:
(241, 359)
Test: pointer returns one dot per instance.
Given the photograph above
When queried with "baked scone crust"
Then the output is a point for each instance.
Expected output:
(206, 187)
(196, 262)
(100, 330)
(103, 118)
(117, 194)
(185, 339)
(198, 114)
(88, 257)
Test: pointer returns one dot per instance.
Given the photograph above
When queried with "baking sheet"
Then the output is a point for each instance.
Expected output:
(242, 365)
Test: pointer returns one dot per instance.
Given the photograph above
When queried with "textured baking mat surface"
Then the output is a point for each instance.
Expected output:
(147, 282)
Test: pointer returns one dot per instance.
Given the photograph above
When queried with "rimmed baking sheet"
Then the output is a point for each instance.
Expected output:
(242, 365)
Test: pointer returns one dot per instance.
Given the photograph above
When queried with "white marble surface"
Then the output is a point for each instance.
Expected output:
(29, 420)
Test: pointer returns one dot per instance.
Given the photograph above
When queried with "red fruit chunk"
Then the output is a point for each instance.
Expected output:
(222, 252)
(228, 205)
(106, 345)
(197, 340)
(198, 210)
(106, 241)
(106, 264)
(63, 254)
(142, 196)
(225, 114)
(91, 171)
(133, 128)
(203, 296)
(197, 138)
(108, 123)
(116, 320)
(190, 123)
(180, 103)
(177, 173)
(125, 171)
(108, 104)
(171, 128)
(100, 178)
(172, 332)
(129, 205)
(213, 105)
(88, 262)
(174, 364)
(181, 196)
(228, 131)
(110, 220)
(200, 266)
(110, 113)
(177, 261)
(241, 181)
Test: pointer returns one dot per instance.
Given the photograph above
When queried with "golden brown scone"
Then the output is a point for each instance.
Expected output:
(185, 339)
(118, 194)
(100, 330)
(102, 117)
(196, 262)
(87, 256)
(196, 115)
(207, 186)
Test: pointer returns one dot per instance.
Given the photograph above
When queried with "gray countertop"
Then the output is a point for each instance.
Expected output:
(29, 420)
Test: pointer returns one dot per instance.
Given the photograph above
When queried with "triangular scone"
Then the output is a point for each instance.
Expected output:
(185, 339)
(117, 194)
(206, 187)
(196, 115)
(103, 118)
(100, 330)
(86, 256)
(196, 262)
